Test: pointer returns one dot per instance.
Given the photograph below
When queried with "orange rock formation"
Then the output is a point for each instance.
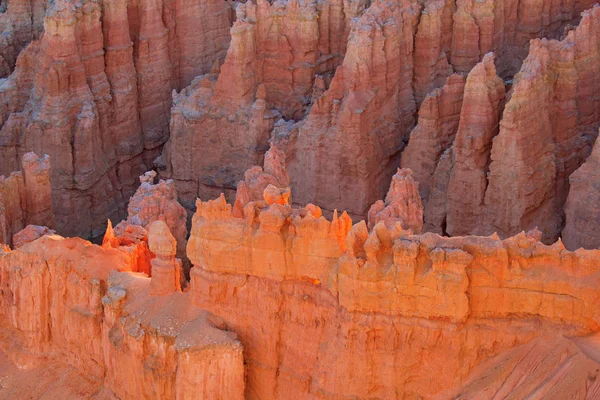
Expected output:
(477, 118)
(25, 198)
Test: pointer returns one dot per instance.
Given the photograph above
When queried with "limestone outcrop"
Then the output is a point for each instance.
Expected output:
(25, 198)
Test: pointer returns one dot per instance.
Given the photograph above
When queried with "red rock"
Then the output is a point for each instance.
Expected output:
(581, 208)
(165, 267)
(287, 301)
(256, 180)
(483, 103)
(355, 130)
(20, 23)
(439, 116)
(372, 285)
(542, 141)
(77, 309)
(29, 234)
(25, 198)
(402, 204)
(275, 52)
(152, 202)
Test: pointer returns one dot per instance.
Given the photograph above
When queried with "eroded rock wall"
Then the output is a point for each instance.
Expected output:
(94, 92)
(512, 153)
(25, 198)
(65, 300)
(342, 309)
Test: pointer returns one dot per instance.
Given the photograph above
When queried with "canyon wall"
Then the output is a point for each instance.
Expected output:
(345, 311)
(509, 160)
(88, 307)
(94, 92)
(352, 121)
(582, 205)
(285, 302)
(335, 85)
(25, 198)
(281, 54)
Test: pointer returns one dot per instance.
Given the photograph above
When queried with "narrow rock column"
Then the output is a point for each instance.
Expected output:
(165, 267)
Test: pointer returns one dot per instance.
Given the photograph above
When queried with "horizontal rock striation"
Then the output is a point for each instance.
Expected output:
(64, 299)
(385, 295)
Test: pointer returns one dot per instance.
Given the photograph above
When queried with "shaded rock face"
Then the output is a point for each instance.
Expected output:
(25, 199)
(582, 206)
(362, 76)
(512, 153)
(94, 92)
(281, 54)
(21, 22)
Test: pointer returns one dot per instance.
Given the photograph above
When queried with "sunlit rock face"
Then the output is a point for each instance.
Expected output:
(299, 199)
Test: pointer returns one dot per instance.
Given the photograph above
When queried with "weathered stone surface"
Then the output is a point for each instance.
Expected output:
(546, 132)
(439, 116)
(483, 103)
(25, 198)
(366, 287)
(94, 92)
(510, 165)
(309, 304)
(582, 208)
(152, 202)
(64, 300)
(279, 51)
(402, 204)
(21, 22)
(29, 234)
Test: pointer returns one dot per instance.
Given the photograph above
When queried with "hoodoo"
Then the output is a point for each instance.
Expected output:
(299, 199)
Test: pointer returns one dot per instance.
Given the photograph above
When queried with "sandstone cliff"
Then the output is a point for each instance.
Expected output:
(476, 117)
(76, 308)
